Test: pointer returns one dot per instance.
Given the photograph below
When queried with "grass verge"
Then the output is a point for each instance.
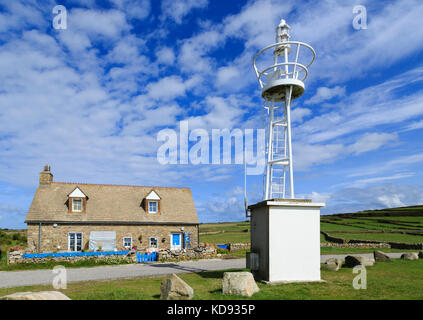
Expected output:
(397, 279)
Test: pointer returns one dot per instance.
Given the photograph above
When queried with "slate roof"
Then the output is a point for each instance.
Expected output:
(111, 204)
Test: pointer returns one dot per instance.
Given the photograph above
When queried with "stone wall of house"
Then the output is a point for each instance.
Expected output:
(55, 239)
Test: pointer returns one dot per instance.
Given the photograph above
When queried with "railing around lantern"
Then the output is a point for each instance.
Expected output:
(294, 74)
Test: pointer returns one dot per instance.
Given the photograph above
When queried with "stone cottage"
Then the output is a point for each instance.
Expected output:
(77, 216)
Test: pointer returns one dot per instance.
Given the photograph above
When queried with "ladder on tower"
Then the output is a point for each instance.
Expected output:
(279, 153)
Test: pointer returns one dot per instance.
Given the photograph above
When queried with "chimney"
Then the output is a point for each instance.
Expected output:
(46, 177)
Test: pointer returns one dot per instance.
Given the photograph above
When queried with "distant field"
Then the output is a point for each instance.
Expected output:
(226, 237)
(337, 227)
(406, 219)
(233, 226)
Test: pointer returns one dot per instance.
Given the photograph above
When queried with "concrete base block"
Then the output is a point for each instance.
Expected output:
(285, 234)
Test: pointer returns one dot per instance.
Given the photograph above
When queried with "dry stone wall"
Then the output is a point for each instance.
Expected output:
(356, 243)
(163, 255)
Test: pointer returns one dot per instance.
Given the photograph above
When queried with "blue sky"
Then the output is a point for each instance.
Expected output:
(90, 100)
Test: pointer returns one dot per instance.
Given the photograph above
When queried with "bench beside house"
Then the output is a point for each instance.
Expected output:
(77, 216)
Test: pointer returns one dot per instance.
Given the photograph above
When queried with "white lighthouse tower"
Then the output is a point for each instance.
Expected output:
(285, 232)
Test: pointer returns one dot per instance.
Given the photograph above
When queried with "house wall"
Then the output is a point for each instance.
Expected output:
(56, 239)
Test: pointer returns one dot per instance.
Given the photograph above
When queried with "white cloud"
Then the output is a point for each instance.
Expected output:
(325, 93)
(364, 182)
(193, 52)
(414, 126)
(178, 9)
(367, 108)
(315, 196)
(169, 88)
(134, 9)
(18, 16)
(372, 141)
(223, 207)
(165, 55)
(374, 197)
(344, 53)
(110, 24)
(389, 166)
(298, 114)
(227, 76)
(307, 155)
(220, 113)
(391, 201)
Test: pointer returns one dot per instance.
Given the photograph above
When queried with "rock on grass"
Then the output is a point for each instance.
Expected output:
(42, 295)
(352, 261)
(333, 264)
(174, 288)
(239, 283)
(380, 256)
(409, 256)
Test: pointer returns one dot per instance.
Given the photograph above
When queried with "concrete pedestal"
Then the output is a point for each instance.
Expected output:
(285, 240)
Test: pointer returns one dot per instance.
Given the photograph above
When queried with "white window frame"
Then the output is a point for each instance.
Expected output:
(76, 239)
(157, 206)
(157, 242)
(123, 241)
(73, 207)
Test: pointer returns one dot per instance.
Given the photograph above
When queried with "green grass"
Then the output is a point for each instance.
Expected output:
(373, 224)
(412, 220)
(331, 227)
(227, 226)
(10, 238)
(397, 279)
(226, 237)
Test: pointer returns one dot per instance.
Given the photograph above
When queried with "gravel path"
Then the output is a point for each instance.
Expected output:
(40, 277)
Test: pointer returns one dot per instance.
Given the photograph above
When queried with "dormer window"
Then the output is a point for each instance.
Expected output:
(152, 203)
(152, 206)
(77, 201)
(77, 205)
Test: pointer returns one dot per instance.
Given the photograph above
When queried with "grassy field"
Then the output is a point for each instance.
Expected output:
(407, 219)
(397, 279)
(347, 226)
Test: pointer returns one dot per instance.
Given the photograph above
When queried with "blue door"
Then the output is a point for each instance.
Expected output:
(176, 241)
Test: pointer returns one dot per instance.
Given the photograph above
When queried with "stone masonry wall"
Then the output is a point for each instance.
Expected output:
(163, 255)
(16, 257)
(56, 239)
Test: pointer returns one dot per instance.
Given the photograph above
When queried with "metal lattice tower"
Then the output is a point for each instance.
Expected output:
(281, 83)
